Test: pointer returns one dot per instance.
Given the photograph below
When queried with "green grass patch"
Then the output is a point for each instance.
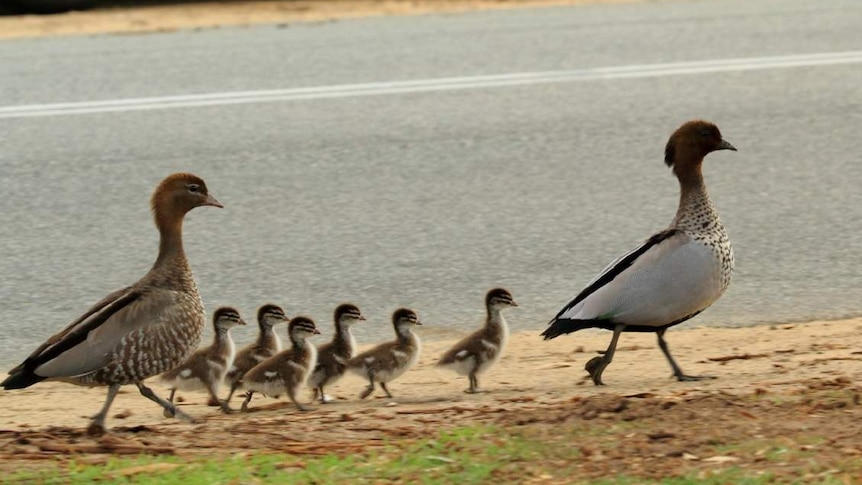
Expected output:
(467, 455)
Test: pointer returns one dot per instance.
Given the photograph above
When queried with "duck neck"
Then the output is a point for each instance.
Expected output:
(267, 337)
(495, 316)
(404, 333)
(171, 252)
(343, 336)
(298, 343)
(695, 212)
(222, 339)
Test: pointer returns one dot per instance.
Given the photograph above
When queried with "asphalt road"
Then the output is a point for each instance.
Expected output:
(416, 189)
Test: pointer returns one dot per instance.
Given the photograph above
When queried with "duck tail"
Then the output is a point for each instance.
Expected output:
(562, 326)
(19, 378)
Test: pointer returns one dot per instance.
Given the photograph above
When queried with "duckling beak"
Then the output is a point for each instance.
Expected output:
(361, 317)
(725, 145)
(213, 202)
(241, 322)
(316, 332)
(514, 303)
(418, 322)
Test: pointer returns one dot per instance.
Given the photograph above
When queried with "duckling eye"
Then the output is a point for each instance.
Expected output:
(194, 188)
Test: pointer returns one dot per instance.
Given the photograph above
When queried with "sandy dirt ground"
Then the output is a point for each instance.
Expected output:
(165, 16)
(795, 384)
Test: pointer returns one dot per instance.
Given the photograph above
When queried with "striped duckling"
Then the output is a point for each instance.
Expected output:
(267, 344)
(674, 275)
(386, 362)
(206, 368)
(332, 357)
(287, 371)
(139, 331)
(477, 352)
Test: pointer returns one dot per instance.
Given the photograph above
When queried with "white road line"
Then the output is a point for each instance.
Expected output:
(431, 85)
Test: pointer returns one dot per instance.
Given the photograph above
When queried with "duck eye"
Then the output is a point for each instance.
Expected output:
(194, 188)
(705, 132)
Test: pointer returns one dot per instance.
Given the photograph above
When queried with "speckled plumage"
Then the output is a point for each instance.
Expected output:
(674, 275)
(206, 368)
(477, 352)
(139, 331)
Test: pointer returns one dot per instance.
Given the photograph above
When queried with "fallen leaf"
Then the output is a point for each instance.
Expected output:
(721, 459)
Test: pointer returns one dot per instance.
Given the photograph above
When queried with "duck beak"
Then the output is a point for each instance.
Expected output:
(213, 202)
(725, 145)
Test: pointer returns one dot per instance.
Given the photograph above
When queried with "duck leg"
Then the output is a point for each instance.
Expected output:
(97, 426)
(596, 365)
(319, 394)
(677, 372)
(232, 390)
(369, 389)
(167, 412)
(474, 384)
(291, 393)
(149, 394)
(248, 395)
(383, 386)
(225, 408)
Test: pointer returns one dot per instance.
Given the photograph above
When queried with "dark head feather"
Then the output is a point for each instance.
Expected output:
(269, 309)
(691, 142)
(347, 309)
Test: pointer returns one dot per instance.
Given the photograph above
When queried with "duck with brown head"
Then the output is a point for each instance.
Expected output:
(674, 275)
(139, 331)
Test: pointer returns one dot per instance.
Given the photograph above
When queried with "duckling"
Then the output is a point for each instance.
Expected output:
(386, 362)
(139, 331)
(206, 367)
(477, 352)
(673, 276)
(286, 371)
(332, 357)
(268, 344)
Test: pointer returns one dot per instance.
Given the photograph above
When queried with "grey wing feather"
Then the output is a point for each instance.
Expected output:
(105, 331)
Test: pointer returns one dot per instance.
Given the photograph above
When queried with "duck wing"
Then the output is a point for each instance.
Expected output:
(87, 344)
(667, 278)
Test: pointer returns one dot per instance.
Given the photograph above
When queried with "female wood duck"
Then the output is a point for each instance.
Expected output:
(139, 331)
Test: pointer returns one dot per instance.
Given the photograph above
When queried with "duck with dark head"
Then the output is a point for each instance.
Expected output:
(674, 275)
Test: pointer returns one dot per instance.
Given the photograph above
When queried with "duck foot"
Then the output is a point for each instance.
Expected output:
(595, 367)
(688, 378)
